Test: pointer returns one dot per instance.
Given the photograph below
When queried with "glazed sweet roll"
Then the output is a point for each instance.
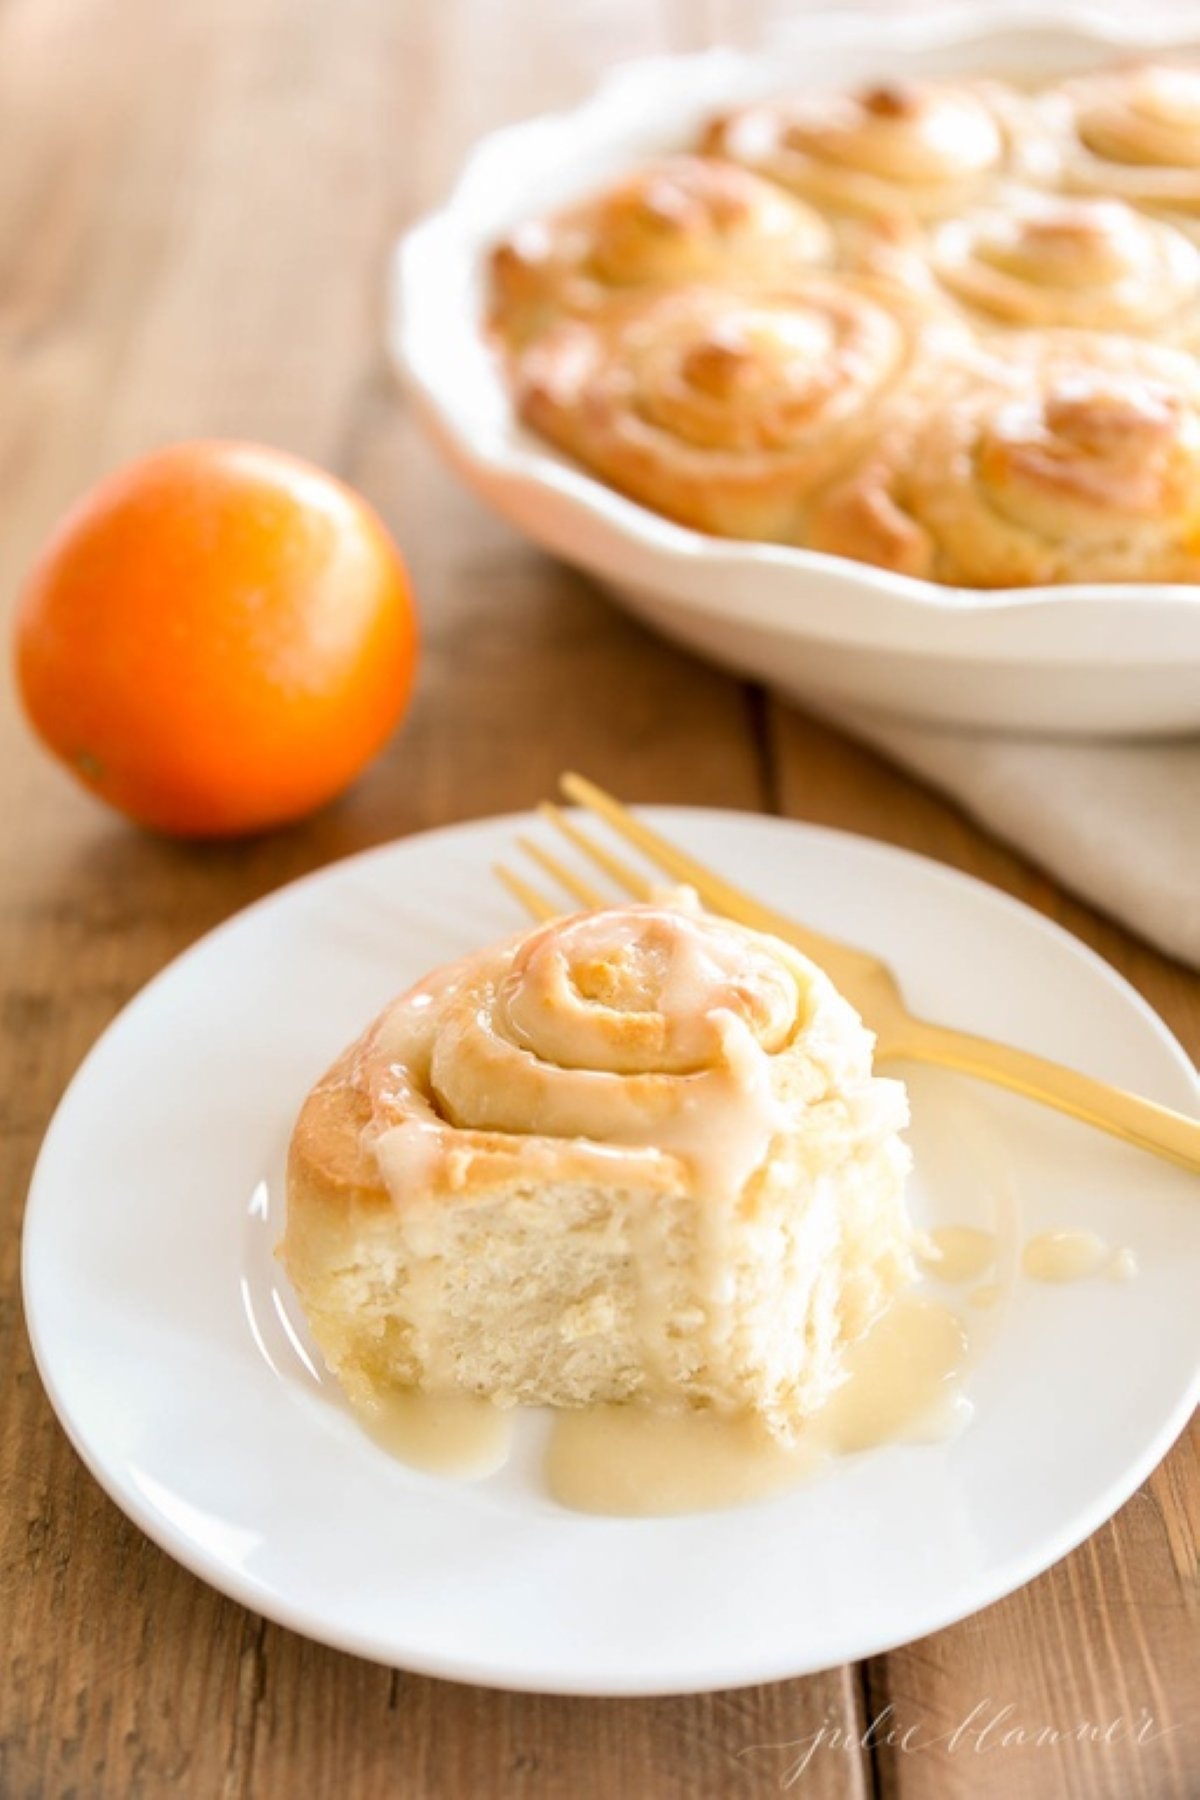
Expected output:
(1132, 133)
(725, 409)
(1054, 261)
(637, 1153)
(681, 219)
(1075, 459)
(920, 149)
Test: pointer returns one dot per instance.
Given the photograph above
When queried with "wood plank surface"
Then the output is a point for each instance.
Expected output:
(196, 204)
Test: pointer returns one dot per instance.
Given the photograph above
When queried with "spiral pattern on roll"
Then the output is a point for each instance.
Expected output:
(1134, 133)
(681, 219)
(725, 409)
(645, 1030)
(1096, 264)
(1078, 459)
(919, 148)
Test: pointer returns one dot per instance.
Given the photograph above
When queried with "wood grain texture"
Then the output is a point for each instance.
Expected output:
(196, 203)
(1110, 1636)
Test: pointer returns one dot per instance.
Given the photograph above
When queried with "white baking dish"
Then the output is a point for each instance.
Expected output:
(1105, 660)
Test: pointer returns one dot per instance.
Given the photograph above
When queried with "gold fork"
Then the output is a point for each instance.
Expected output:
(866, 982)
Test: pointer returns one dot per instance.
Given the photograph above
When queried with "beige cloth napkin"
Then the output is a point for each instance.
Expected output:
(1118, 823)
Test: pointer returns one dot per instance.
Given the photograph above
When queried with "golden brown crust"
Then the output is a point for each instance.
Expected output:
(639, 1150)
(1133, 133)
(913, 148)
(327, 1151)
(682, 219)
(561, 1056)
(1076, 458)
(966, 235)
(1071, 262)
(726, 409)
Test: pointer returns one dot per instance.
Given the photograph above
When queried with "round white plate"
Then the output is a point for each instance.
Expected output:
(176, 1361)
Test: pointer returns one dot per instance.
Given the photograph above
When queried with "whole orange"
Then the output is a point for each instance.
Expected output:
(217, 639)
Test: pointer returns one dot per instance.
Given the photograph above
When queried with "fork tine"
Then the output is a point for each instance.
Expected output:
(574, 884)
(632, 880)
(718, 895)
(525, 894)
(869, 984)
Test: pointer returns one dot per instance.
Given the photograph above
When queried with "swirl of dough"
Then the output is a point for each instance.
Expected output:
(918, 149)
(650, 1038)
(633, 1152)
(1132, 133)
(1079, 460)
(725, 409)
(1094, 264)
(681, 219)
(643, 1029)
(644, 1026)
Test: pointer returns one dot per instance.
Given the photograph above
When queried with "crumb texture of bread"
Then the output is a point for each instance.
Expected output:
(742, 1223)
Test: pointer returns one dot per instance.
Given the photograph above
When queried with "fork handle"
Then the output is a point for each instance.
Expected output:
(1142, 1122)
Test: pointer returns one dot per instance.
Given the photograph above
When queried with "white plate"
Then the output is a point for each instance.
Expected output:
(1104, 660)
(173, 1358)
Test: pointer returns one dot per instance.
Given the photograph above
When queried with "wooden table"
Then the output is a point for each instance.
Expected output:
(196, 203)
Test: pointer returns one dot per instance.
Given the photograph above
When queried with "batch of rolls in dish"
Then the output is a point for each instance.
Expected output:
(947, 330)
